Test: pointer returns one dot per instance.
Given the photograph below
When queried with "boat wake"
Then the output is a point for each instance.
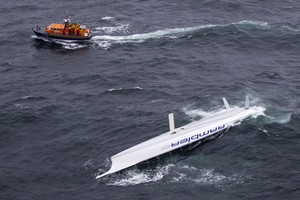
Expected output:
(117, 33)
(119, 28)
(171, 33)
(72, 45)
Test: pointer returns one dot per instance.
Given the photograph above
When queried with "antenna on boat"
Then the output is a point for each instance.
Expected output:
(171, 123)
(67, 19)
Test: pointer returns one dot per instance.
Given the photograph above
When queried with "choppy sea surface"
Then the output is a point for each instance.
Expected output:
(67, 107)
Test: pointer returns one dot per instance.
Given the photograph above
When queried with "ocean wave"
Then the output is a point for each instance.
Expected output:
(252, 24)
(119, 89)
(36, 98)
(108, 18)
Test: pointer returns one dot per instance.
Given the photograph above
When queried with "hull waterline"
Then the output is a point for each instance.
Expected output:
(61, 37)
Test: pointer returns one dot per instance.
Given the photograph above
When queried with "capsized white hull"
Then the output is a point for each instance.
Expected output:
(180, 137)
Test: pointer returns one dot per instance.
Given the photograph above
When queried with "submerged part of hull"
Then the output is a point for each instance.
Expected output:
(179, 137)
(61, 37)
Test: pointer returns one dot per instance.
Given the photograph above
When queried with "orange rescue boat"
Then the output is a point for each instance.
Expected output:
(65, 31)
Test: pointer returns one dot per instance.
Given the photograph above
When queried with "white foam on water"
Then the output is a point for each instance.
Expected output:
(191, 168)
(208, 176)
(88, 164)
(41, 38)
(284, 27)
(258, 111)
(73, 46)
(258, 24)
(263, 130)
(114, 89)
(27, 97)
(108, 18)
(156, 100)
(107, 164)
(102, 44)
(22, 106)
(150, 35)
(191, 174)
(176, 174)
(120, 28)
(282, 119)
(194, 113)
(174, 32)
(118, 89)
(135, 177)
(66, 44)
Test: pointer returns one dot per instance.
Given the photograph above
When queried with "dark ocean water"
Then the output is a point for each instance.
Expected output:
(66, 108)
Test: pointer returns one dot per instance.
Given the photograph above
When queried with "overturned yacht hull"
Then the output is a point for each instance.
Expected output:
(180, 137)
